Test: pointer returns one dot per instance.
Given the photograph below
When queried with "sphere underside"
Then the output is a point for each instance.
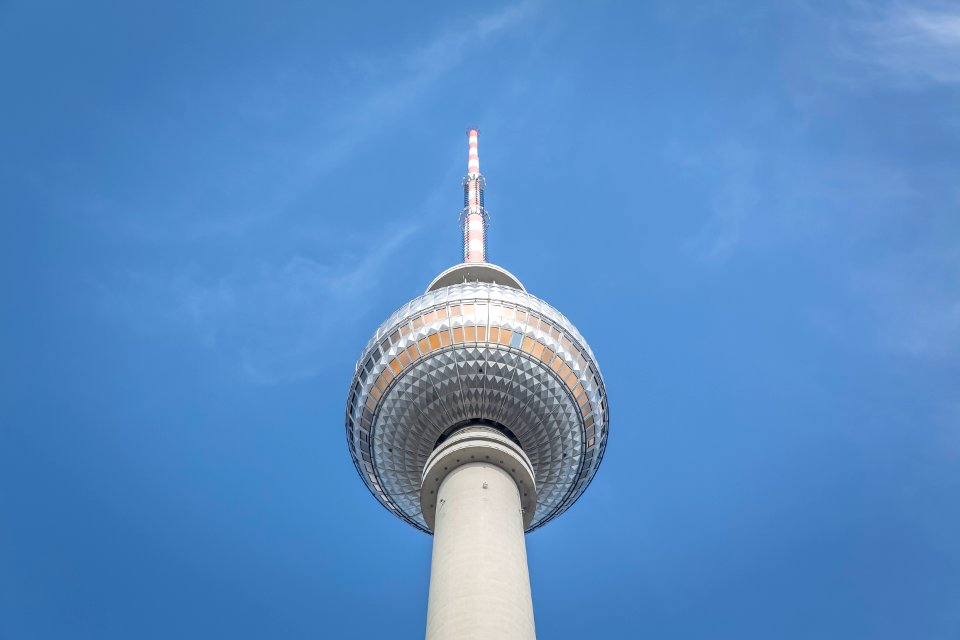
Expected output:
(476, 351)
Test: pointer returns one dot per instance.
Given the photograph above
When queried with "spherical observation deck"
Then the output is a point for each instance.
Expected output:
(477, 350)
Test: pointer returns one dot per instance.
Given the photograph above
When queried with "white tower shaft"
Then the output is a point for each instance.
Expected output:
(479, 582)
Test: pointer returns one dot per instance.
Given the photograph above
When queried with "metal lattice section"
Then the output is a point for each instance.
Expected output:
(476, 351)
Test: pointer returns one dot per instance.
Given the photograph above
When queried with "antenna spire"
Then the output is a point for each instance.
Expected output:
(474, 217)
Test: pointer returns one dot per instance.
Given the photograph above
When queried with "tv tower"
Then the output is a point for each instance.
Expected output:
(477, 413)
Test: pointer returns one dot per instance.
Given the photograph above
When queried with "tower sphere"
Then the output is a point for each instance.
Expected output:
(476, 348)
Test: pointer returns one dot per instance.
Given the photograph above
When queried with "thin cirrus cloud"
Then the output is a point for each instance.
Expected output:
(907, 288)
(919, 317)
(908, 43)
(760, 197)
(285, 168)
(733, 201)
(754, 186)
(272, 319)
(859, 195)
(913, 291)
(419, 69)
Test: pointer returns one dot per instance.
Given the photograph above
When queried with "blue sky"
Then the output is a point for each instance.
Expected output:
(751, 210)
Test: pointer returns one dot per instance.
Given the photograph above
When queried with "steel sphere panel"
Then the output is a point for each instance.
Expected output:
(476, 351)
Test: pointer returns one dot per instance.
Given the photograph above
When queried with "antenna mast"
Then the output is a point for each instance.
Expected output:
(473, 217)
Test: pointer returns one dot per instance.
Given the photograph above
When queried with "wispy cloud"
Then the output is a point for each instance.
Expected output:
(894, 244)
(277, 321)
(916, 307)
(757, 196)
(274, 316)
(908, 42)
(732, 203)
(295, 123)
(406, 77)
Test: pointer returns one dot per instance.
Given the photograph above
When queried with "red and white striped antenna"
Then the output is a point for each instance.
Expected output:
(474, 216)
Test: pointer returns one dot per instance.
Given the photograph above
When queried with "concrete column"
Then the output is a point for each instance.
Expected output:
(478, 494)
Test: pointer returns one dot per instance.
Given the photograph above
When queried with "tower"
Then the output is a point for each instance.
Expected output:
(477, 413)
